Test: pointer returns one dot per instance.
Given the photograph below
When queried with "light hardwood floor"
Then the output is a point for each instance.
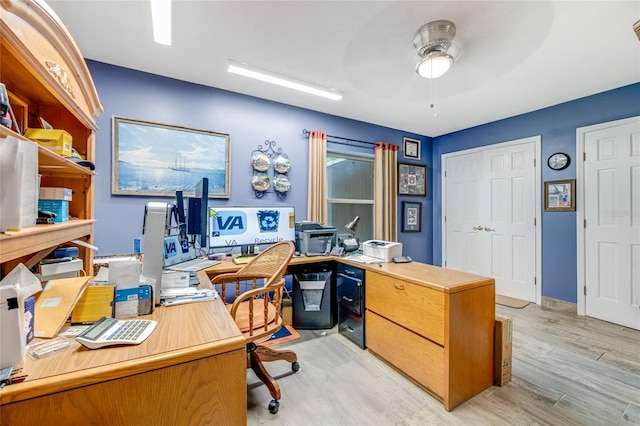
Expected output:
(567, 370)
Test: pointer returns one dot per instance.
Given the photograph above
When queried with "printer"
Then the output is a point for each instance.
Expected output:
(385, 250)
(314, 239)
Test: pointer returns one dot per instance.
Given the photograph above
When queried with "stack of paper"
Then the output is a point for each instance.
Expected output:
(178, 296)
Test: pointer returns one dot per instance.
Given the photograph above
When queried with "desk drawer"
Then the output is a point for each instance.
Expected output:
(416, 357)
(418, 308)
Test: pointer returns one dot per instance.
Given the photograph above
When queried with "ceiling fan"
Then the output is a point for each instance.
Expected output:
(434, 44)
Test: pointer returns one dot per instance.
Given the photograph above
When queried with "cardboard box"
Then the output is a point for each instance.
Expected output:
(503, 340)
(55, 140)
(48, 193)
(59, 207)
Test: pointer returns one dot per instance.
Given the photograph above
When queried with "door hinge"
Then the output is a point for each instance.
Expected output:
(584, 156)
(445, 218)
(584, 290)
(585, 223)
(445, 263)
(535, 281)
(534, 162)
(535, 222)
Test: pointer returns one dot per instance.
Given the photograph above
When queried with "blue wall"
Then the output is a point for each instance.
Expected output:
(557, 125)
(250, 121)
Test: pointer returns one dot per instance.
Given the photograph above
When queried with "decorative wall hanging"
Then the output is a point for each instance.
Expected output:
(153, 159)
(411, 148)
(560, 196)
(411, 216)
(262, 160)
(412, 179)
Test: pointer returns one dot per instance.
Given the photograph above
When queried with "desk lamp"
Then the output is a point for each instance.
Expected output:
(351, 243)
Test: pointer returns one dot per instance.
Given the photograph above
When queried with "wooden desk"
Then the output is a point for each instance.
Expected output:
(434, 325)
(191, 370)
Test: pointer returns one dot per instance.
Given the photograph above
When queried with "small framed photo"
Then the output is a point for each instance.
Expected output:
(411, 148)
(412, 179)
(411, 216)
(560, 196)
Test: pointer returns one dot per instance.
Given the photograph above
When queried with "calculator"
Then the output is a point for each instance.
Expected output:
(110, 331)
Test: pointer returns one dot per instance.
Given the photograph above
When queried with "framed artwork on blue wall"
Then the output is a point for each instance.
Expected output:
(411, 148)
(411, 216)
(412, 179)
(153, 159)
(560, 196)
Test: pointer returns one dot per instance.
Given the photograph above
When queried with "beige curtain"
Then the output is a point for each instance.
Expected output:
(385, 215)
(317, 193)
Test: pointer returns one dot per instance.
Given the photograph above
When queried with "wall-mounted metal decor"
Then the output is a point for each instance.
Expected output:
(262, 160)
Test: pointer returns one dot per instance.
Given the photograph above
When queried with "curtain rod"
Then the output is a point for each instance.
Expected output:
(348, 140)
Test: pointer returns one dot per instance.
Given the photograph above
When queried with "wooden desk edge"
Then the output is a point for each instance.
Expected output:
(86, 377)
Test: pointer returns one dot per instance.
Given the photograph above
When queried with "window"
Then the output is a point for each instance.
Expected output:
(350, 192)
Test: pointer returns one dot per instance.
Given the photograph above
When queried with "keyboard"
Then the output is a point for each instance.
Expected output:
(110, 331)
(193, 265)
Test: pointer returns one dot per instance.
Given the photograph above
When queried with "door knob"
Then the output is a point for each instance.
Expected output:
(486, 228)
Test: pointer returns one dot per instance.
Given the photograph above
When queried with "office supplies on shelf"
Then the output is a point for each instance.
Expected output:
(401, 259)
(110, 331)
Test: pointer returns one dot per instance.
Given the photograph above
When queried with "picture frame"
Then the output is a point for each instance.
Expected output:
(560, 196)
(411, 148)
(154, 159)
(411, 216)
(412, 179)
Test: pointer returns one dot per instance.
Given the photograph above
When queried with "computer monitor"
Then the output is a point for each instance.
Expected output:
(238, 226)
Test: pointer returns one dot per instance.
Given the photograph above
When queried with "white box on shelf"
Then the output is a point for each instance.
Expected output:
(50, 193)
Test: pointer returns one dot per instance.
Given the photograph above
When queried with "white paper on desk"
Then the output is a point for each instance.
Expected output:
(124, 273)
(174, 279)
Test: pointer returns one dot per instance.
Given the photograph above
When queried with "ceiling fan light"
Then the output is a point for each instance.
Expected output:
(434, 65)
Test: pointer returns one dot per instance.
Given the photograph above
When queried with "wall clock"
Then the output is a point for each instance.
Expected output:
(558, 161)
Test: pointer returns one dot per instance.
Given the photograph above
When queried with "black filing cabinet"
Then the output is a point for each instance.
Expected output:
(314, 301)
(351, 310)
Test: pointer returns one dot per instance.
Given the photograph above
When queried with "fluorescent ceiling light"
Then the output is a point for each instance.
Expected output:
(161, 19)
(269, 77)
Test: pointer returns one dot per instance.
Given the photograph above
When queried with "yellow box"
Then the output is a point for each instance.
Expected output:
(55, 140)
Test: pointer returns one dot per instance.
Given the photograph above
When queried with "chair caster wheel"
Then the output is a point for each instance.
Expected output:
(273, 406)
(295, 366)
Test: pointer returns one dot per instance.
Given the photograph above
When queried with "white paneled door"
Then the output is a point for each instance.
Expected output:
(490, 210)
(611, 226)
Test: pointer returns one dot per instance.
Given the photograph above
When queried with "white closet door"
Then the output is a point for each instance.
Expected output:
(490, 210)
(612, 214)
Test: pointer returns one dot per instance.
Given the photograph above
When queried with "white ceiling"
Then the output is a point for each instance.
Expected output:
(516, 56)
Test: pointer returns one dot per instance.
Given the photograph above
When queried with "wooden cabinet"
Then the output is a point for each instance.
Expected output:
(433, 325)
(46, 76)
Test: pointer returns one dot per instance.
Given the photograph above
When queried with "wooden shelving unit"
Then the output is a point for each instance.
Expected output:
(46, 76)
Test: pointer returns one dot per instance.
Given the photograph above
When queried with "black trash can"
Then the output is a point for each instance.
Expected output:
(314, 302)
